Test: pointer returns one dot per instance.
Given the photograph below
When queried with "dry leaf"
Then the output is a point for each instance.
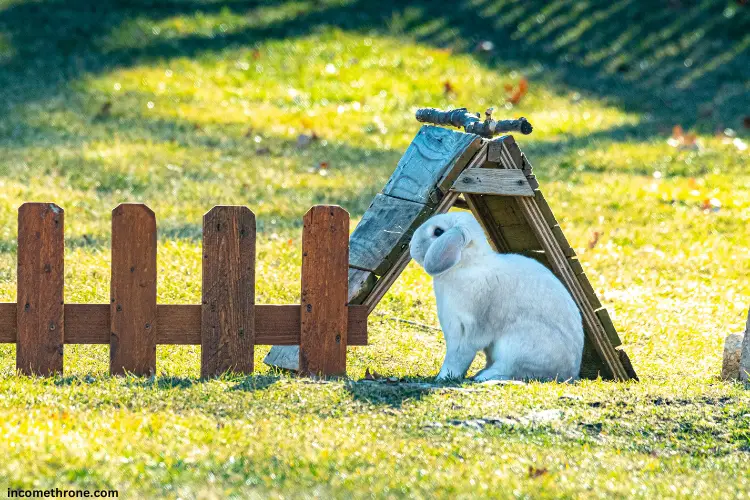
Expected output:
(448, 88)
(518, 93)
(681, 140)
(594, 239)
(534, 472)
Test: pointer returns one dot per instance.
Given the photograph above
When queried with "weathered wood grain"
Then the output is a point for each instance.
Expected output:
(545, 208)
(493, 181)
(433, 153)
(40, 311)
(361, 284)
(228, 293)
(520, 238)
(133, 291)
(506, 144)
(385, 232)
(386, 280)
(180, 324)
(504, 210)
(609, 327)
(325, 270)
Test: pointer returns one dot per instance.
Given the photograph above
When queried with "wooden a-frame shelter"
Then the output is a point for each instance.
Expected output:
(444, 168)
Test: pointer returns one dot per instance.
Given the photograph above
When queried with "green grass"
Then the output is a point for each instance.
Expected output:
(206, 101)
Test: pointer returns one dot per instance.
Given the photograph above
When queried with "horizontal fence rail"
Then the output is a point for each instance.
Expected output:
(227, 324)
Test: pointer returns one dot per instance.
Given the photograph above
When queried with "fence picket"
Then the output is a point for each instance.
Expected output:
(133, 291)
(228, 305)
(40, 308)
(325, 286)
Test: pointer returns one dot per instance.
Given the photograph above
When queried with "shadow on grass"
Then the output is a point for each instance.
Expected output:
(395, 394)
(664, 60)
(255, 383)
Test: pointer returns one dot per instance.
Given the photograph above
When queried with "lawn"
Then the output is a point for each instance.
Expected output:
(187, 104)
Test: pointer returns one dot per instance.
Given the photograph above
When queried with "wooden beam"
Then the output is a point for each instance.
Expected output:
(180, 324)
(325, 285)
(40, 289)
(493, 181)
(133, 320)
(228, 291)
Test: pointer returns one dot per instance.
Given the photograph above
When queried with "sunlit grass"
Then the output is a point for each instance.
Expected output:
(221, 125)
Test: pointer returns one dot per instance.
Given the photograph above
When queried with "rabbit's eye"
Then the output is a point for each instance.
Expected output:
(438, 231)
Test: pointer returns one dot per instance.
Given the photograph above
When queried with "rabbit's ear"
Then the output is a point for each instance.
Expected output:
(445, 252)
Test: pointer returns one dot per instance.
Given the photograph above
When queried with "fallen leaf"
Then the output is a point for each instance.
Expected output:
(681, 140)
(448, 88)
(517, 93)
(594, 240)
(534, 472)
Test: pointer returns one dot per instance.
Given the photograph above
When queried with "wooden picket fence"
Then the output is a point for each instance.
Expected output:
(227, 324)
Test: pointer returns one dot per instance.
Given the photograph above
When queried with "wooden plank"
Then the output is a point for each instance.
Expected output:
(385, 281)
(385, 232)
(478, 204)
(562, 241)
(592, 366)
(493, 181)
(505, 144)
(431, 156)
(40, 309)
(627, 364)
(545, 209)
(609, 327)
(552, 248)
(133, 316)
(361, 284)
(520, 238)
(180, 324)
(228, 293)
(504, 210)
(588, 290)
(575, 265)
(325, 270)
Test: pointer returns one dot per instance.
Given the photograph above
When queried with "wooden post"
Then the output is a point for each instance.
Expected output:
(325, 259)
(133, 291)
(228, 306)
(40, 308)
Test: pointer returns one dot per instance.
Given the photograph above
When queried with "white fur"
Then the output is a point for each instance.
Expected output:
(508, 305)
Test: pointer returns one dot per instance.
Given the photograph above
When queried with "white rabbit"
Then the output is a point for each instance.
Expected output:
(508, 305)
